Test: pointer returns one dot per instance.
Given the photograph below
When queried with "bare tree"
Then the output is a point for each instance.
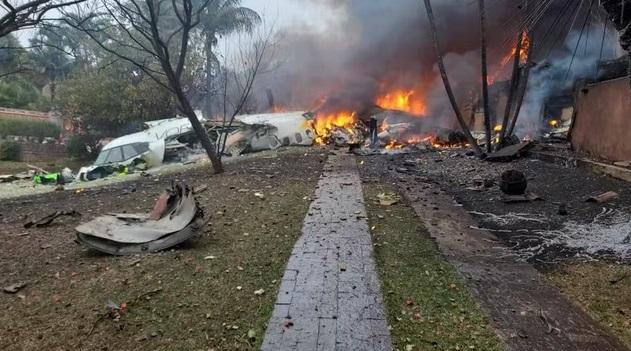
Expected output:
(443, 74)
(153, 35)
(523, 86)
(514, 84)
(252, 57)
(17, 14)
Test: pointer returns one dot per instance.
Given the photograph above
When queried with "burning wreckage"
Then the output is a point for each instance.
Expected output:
(173, 140)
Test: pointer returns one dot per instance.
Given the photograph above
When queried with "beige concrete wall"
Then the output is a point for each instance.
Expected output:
(603, 120)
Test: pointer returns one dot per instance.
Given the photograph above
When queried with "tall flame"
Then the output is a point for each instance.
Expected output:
(403, 100)
(523, 58)
(323, 124)
(523, 52)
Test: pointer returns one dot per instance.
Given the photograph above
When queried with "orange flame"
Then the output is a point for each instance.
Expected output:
(523, 56)
(323, 124)
(523, 53)
(278, 109)
(402, 100)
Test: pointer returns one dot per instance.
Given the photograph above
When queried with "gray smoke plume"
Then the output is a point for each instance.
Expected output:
(557, 74)
(376, 46)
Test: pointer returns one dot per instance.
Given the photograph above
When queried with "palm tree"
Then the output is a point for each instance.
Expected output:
(445, 78)
(51, 56)
(222, 17)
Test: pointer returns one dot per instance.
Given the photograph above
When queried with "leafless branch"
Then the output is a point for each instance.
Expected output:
(28, 14)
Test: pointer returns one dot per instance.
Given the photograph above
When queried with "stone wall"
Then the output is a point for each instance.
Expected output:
(31, 152)
(602, 126)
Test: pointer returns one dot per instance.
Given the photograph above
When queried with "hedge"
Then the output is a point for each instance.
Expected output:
(9, 151)
(28, 128)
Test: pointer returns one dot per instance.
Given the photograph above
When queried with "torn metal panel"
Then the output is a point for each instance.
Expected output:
(125, 249)
(175, 218)
(180, 211)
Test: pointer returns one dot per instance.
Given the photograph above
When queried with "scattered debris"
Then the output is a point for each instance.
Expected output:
(259, 292)
(528, 197)
(200, 189)
(388, 199)
(617, 280)
(604, 197)
(513, 183)
(510, 218)
(563, 210)
(260, 196)
(14, 288)
(288, 324)
(47, 220)
(548, 324)
(115, 311)
(175, 218)
(608, 233)
(510, 153)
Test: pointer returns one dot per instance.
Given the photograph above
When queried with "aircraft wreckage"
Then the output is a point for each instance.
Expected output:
(175, 218)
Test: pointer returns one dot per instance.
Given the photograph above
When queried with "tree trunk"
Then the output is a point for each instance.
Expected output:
(443, 74)
(189, 112)
(208, 105)
(514, 84)
(201, 133)
(524, 86)
(485, 82)
(53, 88)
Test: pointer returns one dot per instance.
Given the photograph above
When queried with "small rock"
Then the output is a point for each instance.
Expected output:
(14, 288)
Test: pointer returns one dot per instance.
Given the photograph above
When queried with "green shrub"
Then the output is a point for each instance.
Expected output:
(83, 146)
(9, 151)
(28, 128)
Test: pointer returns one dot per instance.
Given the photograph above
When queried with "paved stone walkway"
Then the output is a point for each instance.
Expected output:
(330, 297)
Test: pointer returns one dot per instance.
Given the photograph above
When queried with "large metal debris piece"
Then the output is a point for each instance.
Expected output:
(175, 218)
(510, 153)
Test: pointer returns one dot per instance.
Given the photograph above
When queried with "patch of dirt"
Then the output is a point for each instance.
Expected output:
(199, 295)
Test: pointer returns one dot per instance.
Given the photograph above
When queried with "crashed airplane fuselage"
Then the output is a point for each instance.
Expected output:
(269, 131)
(250, 133)
(147, 147)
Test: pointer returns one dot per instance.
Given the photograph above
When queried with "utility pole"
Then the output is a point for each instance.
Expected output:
(485, 82)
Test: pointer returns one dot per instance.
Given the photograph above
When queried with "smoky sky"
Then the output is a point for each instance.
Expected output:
(375, 46)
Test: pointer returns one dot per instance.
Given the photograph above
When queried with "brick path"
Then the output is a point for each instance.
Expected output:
(330, 296)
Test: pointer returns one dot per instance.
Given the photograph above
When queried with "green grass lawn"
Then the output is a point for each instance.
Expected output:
(602, 290)
(428, 305)
(202, 295)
